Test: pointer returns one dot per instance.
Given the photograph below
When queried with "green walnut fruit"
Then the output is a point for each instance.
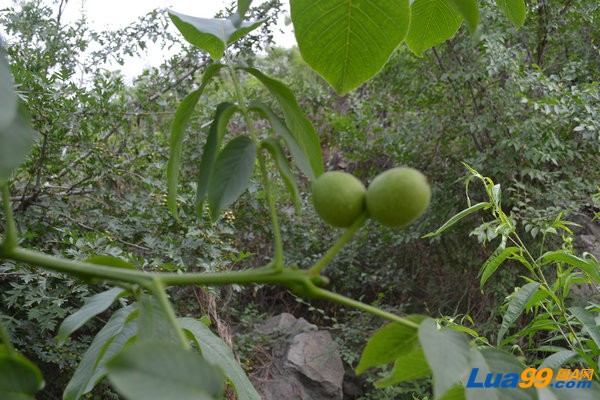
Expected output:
(398, 196)
(339, 198)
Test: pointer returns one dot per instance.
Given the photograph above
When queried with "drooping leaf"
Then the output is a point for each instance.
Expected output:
(119, 329)
(591, 267)
(447, 353)
(20, 379)
(273, 146)
(216, 133)
(516, 305)
(588, 321)
(232, 172)
(217, 352)
(348, 41)
(296, 122)
(389, 343)
(243, 6)
(294, 146)
(489, 360)
(211, 34)
(515, 11)
(8, 98)
(93, 306)
(456, 392)
(180, 121)
(159, 371)
(469, 11)
(16, 140)
(432, 22)
(496, 259)
(153, 321)
(407, 367)
(458, 217)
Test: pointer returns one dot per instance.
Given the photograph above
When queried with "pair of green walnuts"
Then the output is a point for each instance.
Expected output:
(395, 198)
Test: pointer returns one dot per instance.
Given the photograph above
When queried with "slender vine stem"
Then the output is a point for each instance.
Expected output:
(159, 292)
(10, 236)
(146, 279)
(279, 261)
(340, 299)
(346, 236)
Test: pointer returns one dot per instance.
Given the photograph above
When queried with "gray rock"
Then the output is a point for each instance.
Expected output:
(306, 364)
(314, 355)
(285, 324)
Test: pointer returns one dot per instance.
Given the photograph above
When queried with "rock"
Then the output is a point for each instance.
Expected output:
(285, 324)
(306, 364)
(315, 355)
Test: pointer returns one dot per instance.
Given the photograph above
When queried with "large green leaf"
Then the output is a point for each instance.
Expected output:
(119, 329)
(348, 41)
(211, 34)
(216, 352)
(16, 140)
(407, 367)
(92, 307)
(159, 371)
(516, 305)
(447, 353)
(469, 11)
(515, 11)
(8, 98)
(20, 379)
(389, 343)
(232, 172)
(216, 133)
(180, 121)
(274, 148)
(296, 122)
(432, 22)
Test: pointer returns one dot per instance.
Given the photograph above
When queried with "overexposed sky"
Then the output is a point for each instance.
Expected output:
(115, 14)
